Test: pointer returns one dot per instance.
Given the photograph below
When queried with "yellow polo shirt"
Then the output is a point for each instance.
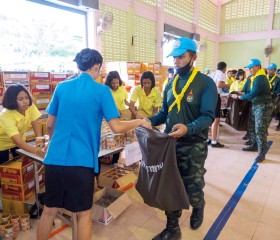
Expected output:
(230, 80)
(146, 103)
(120, 96)
(13, 123)
(236, 86)
(164, 84)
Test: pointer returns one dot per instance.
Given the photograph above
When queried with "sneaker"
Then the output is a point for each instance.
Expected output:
(217, 145)
(209, 142)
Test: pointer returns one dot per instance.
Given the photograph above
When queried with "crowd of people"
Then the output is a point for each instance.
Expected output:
(189, 105)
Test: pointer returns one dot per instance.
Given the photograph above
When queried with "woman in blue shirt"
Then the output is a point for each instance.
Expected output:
(74, 125)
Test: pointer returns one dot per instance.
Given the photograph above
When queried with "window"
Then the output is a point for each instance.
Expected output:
(40, 37)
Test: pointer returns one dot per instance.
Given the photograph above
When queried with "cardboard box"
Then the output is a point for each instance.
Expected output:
(39, 77)
(15, 78)
(42, 101)
(43, 122)
(41, 89)
(18, 192)
(30, 135)
(105, 214)
(17, 172)
(59, 77)
(16, 207)
(118, 178)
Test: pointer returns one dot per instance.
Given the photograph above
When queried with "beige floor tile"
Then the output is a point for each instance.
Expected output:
(188, 233)
(266, 231)
(271, 211)
(112, 231)
(229, 234)
(242, 224)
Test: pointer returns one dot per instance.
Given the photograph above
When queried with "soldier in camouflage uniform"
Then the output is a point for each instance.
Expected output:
(262, 108)
(275, 89)
(188, 110)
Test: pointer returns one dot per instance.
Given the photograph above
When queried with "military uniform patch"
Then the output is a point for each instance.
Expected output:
(190, 97)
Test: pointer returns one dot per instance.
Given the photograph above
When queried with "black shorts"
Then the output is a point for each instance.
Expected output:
(4, 155)
(69, 187)
(218, 108)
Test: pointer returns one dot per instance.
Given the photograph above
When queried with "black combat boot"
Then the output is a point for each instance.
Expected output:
(260, 157)
(196, 217)
(248, 143)
(252, 148)
(246, 136)
(172, 230)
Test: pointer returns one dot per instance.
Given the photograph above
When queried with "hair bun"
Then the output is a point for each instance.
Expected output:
(86, 57)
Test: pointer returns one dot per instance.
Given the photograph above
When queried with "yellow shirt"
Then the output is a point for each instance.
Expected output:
(164, 84)
(146, 103)
(120, 96)
(236, 86)
(230, 80)
(13, 123)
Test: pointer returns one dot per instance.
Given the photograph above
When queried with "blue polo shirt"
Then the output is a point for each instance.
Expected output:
(79, 106)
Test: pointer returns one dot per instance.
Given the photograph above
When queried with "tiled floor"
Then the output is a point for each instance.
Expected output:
(256, 216)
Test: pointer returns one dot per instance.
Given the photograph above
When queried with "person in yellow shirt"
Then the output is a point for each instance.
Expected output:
(113, 80)
(239, 83)
(170, 76)
(230, 79)
(148, 97)
(17, 116)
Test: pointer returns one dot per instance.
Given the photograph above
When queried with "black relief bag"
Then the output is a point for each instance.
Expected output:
(238, 113)
(159, 181)
(277, 104)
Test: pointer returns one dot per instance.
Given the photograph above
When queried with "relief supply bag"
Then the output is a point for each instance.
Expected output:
(238, 113)
(159, 181)
(277, 104)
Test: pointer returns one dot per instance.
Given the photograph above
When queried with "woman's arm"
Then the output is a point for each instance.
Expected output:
(27, 147)
(37, 128)
(118, 126)
(155, 110)
(126, 102)
(132, 109)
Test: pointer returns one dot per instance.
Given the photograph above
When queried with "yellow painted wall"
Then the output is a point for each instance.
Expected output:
(237, 54)
(275, 55)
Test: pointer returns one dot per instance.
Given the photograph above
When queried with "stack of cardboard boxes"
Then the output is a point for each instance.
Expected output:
(40, 84)
(17, 184)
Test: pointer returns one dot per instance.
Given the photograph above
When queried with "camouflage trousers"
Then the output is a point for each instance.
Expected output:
(258, 124)
(191, 159)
